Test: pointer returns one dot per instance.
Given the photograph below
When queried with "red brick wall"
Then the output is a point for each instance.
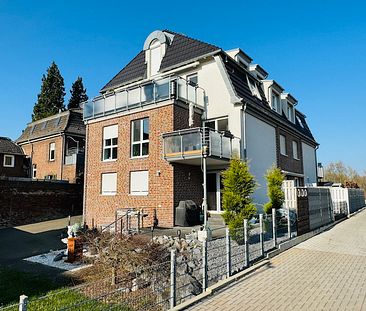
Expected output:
(24, 202)
(162, 186)
(39, 152)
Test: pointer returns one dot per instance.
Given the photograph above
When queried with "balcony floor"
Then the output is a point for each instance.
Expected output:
(197, 161)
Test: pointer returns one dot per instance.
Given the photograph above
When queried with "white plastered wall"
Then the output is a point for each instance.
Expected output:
(309, 161)
(261, 153)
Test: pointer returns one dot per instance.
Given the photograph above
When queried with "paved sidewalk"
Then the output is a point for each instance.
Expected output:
(327, 272)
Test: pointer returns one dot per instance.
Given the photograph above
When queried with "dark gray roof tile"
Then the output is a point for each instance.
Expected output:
(9, 147)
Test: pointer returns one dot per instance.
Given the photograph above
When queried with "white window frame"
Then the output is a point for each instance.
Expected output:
(216, 122)
(9, 156)
(295, 150)
(108, 190)
(283, 145)
(141, 140)
(110, 133)
(276, 104)
(291, 112)
(52, 148)
(139, 183)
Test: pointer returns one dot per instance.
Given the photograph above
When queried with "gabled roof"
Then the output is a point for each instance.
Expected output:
(182, 50)
(69, 122)
(9, 147)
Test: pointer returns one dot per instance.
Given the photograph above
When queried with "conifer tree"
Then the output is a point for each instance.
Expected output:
(239, 184)
(275, 194)
(78, 94)
(51, 98)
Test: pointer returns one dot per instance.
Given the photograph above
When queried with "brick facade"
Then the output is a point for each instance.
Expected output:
(39, 152)
(166, 182)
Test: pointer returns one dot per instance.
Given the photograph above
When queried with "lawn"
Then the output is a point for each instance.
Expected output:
(44, 294)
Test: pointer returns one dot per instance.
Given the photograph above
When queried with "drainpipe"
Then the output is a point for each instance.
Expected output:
(243, 143)
(316, 165)
(62, 153)
(85, 170)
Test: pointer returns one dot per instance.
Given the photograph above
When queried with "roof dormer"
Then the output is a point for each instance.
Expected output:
(288, 106)
(258, 71)
(155, 48)
(240, 57)
(272, 91)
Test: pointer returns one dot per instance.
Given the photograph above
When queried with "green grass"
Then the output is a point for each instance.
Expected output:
(14, 283)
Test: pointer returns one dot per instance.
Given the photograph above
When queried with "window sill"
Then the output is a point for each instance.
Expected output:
(108, 194)
(8, 165)
(139, 157)
(284, 155)
(51, 160)
(109, 160)
(138, 194)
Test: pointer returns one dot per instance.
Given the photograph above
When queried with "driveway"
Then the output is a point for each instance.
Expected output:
(21, 242)
(327, 272)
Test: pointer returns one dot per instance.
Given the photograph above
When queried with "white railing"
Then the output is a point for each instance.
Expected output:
(144, 94)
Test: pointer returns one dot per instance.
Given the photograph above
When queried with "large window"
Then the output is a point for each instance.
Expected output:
(110, 142)
(290, 112)
(109, 184)
(140, 138)
(139, 183)
(51, 152)
(283, 145)
(9, 160)
(295, 150)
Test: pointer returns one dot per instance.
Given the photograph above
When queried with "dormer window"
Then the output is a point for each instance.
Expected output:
(155, 57)
(253, 88)
(291, 112)
(275, 102)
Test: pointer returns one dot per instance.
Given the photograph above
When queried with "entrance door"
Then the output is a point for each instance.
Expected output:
(214, 192)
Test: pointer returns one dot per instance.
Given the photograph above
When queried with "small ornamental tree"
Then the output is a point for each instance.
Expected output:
(51, 98)
(78, 94)
(275, 194)
(239, 185)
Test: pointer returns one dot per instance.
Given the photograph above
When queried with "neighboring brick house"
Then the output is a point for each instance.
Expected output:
(13, 162)
(178, 100)
(56, 146)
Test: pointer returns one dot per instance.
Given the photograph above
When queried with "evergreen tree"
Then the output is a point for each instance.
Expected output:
(78, 94)
(51, 98)
(239, 185)
(275, 194)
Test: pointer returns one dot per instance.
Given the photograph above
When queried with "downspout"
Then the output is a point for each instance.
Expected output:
(85, 171)
(62, 153)
(243, 144)
(316, 164)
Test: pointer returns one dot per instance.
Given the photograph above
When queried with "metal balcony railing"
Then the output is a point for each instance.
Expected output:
(196, 142)
(142, 95)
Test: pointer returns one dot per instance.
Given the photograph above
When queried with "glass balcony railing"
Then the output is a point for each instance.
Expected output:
(196, 142)
(142, 95)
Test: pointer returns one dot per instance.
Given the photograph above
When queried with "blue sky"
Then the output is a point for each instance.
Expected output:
(315, 49)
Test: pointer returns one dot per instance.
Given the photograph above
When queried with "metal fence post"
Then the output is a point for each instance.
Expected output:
(261, 234)
(23, 303)
(288, 224)
(246, 243)
(204, 265)
(228, 253)
(173, 279)
(274, 227)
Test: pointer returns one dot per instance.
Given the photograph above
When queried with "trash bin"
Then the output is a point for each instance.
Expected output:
(187, 213)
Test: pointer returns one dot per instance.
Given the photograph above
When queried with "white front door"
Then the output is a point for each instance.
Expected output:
(214, 192)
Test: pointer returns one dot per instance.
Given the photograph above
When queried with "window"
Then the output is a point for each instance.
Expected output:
(139, 183)
(140, 138)
(219, 124)
(295, 150)
(51, 153)
(283, 145)
(9, 160)
(290, 112)
(276, 102)
(34, 170)
(253, 87)
(155, 57)
(109, 183)
(191, 87)
(110, 142)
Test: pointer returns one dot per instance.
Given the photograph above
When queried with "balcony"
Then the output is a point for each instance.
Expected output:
(144, 94)
(190, 145)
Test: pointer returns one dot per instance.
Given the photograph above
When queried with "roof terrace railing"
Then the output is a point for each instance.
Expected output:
(195, 142)
(142, 95)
